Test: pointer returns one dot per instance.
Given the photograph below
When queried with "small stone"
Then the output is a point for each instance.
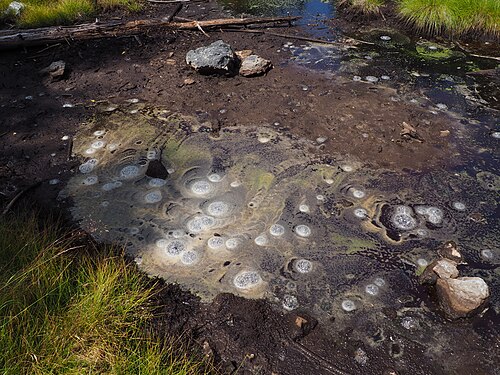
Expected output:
(254, 65)
(461, 297)
(361, 357)
(244, 53)
(56, 70)
(444, 133)
(217, 58)
(189, 81)
(445, 269)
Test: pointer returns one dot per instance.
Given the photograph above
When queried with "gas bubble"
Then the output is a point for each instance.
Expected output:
(402, 218)
(303, 230)
(304, 208)
(157, 182)
(98, 144)
(189, 257)
(88, 166)
(290, 302)
(303, 266)
(90, 180)
(371, 289)
(215, 242)
(214, 177)
(261, 240)
(487, 254)
(358, 194)
(130, 171)
(90, 151)
(421, 262)
(247, 279)
(111, 185)
(277, 230)
(201, 187)
(154, 196)
(379, 282)
(459, 206)
(360, 213)
(200, 223)
(348, 305)
(232, 243)
(174, 248)
(218, 208)
(99, 133)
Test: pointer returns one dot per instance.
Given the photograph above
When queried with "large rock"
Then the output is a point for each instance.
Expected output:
(217, 58)
(461, 297)
(254, 65)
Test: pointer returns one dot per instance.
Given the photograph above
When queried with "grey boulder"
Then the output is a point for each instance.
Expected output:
(14, 9)
(217, 58)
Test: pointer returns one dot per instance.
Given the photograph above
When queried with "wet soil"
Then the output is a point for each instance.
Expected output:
(359, 120)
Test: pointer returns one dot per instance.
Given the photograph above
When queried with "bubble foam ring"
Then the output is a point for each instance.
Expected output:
(215, 242)
(290, 302)
(403, 219)
(303, 265)
(459, 206)
(129, 172)
(277, 230)
(174, 248)
(154, 196)
(88, 166)
(157, 182)
(111, 185)
(214, 177)
(201, 187)
(358, 194)
(232, 243)
(348, 305)
(189, 257)
(199, 224)
(90, 180)
(360, 213)
(218, 209)
(302, 230)
(247, 280)
(99, 133)
(304, 208)
(98, 145)
(372, 289)
(379, 282)
(261, 240)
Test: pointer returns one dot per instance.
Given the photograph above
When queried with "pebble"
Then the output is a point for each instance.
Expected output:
(64, 138)
(385, 37)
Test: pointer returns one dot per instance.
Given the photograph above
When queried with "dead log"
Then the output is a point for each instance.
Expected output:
(55, 34)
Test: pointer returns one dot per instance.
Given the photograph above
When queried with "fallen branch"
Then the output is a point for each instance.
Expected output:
(48, 35)
(497, 58)
(19, 195)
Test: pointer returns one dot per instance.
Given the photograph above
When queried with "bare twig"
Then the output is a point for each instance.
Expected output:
(177, 9)
(19, 195)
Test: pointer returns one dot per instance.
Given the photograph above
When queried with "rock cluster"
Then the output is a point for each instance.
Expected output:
(220, 58)
(458, 297)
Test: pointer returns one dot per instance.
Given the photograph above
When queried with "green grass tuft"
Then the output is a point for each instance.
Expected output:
(68, 309)
(363, 6)
(452, 16)
(40, 13)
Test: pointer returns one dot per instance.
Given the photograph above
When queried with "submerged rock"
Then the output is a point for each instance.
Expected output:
(254, 65)
(461, 297)
(217, 58)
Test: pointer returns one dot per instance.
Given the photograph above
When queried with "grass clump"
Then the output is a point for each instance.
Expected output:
(452, 16)
(68, 309)
(38, 13)
(363, 6)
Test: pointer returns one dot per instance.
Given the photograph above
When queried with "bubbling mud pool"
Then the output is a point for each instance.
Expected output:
(253, 212)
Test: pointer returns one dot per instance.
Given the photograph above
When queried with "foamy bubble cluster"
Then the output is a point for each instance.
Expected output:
(189, 257)
(403, 218)
(111, 185)
(154, 196)
(90, 180)
(360, 213)
(247, 279)
(434, 215)
(372, 289)
(303, 265)
(277, 230)
(302, 230)
(218, 209)
(174, 248)
(215, 177)
(199, 224)
(88, 166)
(261, 240)
(290, 302)
(348, 305)
(129, 172)
(157, 182)
(201, 187)
(215, 242)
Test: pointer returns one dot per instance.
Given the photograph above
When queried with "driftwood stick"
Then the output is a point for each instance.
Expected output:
(49, 35)
(177, 9)
(19, 195)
